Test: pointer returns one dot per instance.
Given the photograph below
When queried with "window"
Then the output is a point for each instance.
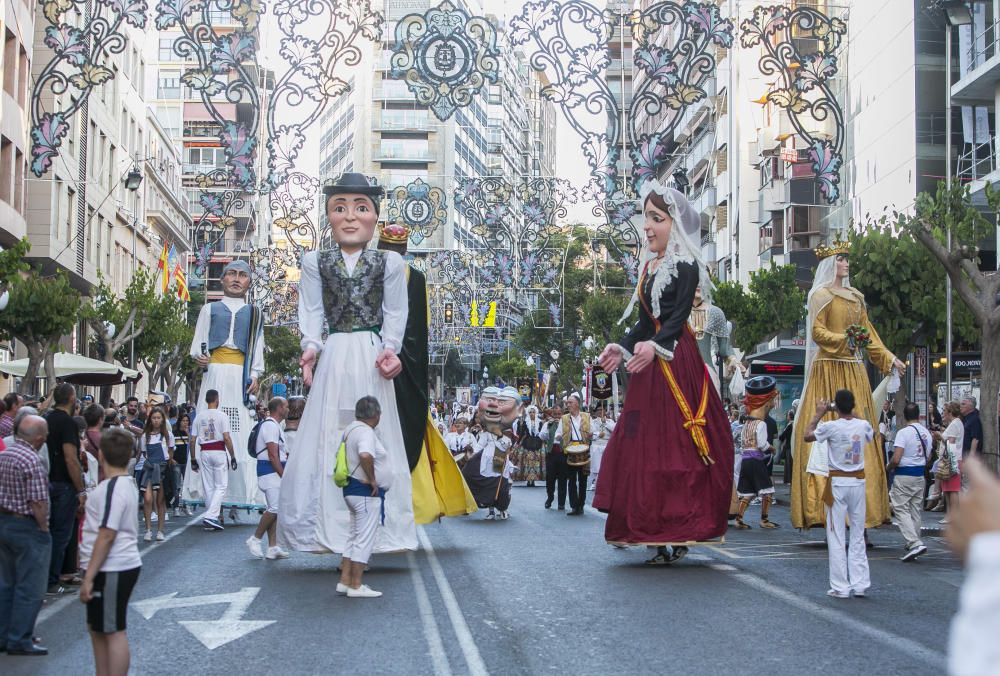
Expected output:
(169, 85)
(167, 48)
(6, 168)
(9, 59)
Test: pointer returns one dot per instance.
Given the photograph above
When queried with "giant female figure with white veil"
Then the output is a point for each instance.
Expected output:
(838, 334)
(667, 473)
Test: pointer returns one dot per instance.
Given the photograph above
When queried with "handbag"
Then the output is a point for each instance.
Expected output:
(943, 472)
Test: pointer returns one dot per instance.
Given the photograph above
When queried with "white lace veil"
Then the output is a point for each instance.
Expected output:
(684, 245)
(826, 274)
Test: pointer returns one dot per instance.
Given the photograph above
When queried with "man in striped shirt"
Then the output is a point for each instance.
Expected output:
(25, 543)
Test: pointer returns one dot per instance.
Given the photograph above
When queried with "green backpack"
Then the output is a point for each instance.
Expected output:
(341, 472)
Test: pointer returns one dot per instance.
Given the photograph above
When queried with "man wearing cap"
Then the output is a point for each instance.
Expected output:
(229, 344)
(575, 436)
(755, 480)
(488, 472)
(356, 296)
(438, 487)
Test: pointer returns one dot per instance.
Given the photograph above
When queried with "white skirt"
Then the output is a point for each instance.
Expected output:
(242, 492)
(313, 516)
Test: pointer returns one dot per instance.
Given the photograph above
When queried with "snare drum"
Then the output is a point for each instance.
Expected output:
(578, 455)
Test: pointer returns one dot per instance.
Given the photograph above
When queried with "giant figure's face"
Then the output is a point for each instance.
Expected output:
(235, 283)
(352, 219)
(497, 414)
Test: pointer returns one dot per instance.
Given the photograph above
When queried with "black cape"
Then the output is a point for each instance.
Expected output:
(412, 394)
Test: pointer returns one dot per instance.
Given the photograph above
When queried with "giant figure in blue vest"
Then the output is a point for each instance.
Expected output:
(229, 343)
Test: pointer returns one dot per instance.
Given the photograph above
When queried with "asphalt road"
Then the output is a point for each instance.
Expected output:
(540, 593)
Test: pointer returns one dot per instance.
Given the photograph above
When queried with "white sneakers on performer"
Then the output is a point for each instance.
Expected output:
(342, 588)
(363, 592)
(503, 515)
(160, 537)
(255, 547)
(492, 515)
(148, 537)
(276, 553)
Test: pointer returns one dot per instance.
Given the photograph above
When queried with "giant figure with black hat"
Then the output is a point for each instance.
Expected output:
(754, 478)
(356, 296)
(438, 487)
(229, 343)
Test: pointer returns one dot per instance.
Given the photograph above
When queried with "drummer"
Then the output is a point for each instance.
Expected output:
(574, 434)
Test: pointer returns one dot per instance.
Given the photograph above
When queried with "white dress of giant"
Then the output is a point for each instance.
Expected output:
(227, 380)
(313, 516)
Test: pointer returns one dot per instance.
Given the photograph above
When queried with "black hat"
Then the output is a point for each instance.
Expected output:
(351, 183)
(761, 385)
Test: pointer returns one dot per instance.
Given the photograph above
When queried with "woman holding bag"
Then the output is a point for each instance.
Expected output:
(949, 472)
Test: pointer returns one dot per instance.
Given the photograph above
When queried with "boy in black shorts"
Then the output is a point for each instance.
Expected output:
(110, 554)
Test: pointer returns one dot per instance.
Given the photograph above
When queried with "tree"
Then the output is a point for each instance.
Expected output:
(903, 288)
(128, 315)
(12, 263)
(281, 353)
(934, 215)
(41, 310)
(509, 369)
(772, 303)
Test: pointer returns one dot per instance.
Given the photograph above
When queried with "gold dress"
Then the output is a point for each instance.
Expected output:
(836, 367)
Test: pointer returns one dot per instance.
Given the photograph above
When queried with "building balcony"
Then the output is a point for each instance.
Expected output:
(979, 86)
(774, 196)
(706, 201)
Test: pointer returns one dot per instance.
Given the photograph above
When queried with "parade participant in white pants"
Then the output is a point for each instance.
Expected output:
(370, 478)
(229, 343)
(910, 452)
(211, 434)
(845, 494)
(271, 459)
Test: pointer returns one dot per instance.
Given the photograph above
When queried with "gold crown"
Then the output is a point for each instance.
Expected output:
(838, 247)
(394, 233)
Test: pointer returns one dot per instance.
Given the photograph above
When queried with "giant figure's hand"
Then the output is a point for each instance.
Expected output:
(611, 358)
(308, 363)
(203, 360)
(644, 356)
(253, 386)
(388, 364)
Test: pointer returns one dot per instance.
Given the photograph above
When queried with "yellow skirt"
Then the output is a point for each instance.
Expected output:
(826, 378)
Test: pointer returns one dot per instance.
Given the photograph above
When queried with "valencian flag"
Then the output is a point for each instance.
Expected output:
(164, 268)
(180, 278)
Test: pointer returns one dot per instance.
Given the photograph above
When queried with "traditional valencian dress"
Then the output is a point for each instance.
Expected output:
(361, 299)
(667, 473)
(227, 332)
(836, 367)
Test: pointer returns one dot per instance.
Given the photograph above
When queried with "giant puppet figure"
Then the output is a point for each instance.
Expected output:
(438, 487)
(667, 473)
(838, 335)
(711, 330)
(357, 297)
(488, 472)
(229, 344)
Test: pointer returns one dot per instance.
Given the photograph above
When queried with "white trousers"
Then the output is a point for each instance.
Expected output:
(270, 486)
(907, 496)
(848, 569)
(365, 516)
(214, 480)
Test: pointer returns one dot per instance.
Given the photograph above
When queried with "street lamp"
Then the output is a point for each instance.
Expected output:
(957, 13)
(133, 179)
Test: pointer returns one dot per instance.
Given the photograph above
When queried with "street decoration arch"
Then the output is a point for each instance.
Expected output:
(422, 207)
(445, 56)
(673, 79)
(76, 67)
(805, 92)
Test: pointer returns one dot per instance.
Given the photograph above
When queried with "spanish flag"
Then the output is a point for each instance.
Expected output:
(181, 279)
(164, 268)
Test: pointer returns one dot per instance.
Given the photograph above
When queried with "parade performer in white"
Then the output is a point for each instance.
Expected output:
(359, 296)
(229, 344)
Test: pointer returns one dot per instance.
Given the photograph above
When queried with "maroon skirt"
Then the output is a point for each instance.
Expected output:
(653, 483)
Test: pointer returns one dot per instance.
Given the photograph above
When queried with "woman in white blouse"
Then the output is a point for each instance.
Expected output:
(952, 437)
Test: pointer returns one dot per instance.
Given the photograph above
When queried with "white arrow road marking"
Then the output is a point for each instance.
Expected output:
(211, 633)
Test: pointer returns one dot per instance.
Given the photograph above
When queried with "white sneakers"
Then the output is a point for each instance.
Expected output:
(160, 537)
(342, 588)
(363, 592)
(148, 537)
(276, 553)
(255, 547)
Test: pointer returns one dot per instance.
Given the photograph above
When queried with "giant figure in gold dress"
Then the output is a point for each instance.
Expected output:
(834, 363)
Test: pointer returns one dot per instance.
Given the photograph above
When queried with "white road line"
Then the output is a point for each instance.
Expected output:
(431, 633)
(66, 599)
(469, 650)
(856, 626)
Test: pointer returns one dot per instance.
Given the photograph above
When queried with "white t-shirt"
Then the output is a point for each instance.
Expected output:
(166, 444)
(270, 432)
(210, 425)
(362, 439)
(847, 439)
(113, 504)
(290, 436)
(909, 439)
(956, 431)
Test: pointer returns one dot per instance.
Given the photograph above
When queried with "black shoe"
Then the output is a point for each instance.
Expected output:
(548, 503)
(35, 650)
(562, 506)
(575, 512)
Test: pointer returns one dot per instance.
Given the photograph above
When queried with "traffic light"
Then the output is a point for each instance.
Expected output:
(449, 314)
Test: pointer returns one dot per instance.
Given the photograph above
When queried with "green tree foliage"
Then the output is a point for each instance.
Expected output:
(12, 262)
(281, 352)
(951, 209)
(904, 288)
(509, 369)
(771, 303)
(41, 310)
